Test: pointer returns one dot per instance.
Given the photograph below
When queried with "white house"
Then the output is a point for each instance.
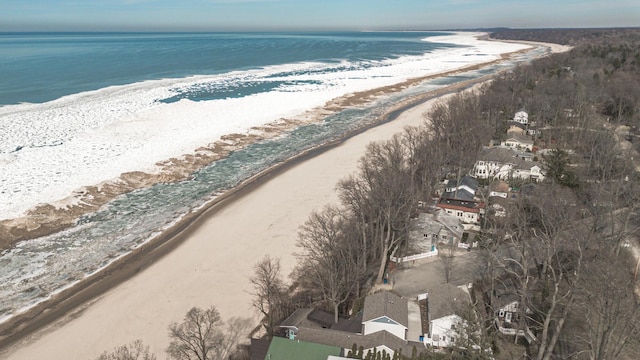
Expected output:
(490, 161)
(445, 325)
(507, 163)
(427, 230)
(382, 325)
(517, 141)
(460, 201)
(445, 331)
(521, 171)
(521, 117)
(467, 212)
(385, 311)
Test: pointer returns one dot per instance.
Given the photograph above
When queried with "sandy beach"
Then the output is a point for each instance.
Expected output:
(213, 266)
(210, 259)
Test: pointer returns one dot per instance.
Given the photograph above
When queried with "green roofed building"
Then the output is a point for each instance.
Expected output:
(285, 349)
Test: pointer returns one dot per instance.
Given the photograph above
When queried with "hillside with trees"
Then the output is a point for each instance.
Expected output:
(563, 248)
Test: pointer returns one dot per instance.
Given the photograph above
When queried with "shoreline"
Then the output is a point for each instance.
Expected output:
(73, 301)
(47, 219)
(120, 270)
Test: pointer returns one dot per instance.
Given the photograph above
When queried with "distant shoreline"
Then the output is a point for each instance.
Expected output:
(73, 301)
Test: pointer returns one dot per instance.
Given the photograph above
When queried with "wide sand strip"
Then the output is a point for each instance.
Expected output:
(213, 265)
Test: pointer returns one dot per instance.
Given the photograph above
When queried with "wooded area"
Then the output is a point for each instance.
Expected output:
(562, 249)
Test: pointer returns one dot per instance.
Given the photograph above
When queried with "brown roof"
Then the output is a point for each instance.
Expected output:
(499, 185)
(520, 138)
(445, 205)
(386, 303)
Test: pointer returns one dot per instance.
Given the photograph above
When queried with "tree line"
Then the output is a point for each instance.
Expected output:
(560, 251)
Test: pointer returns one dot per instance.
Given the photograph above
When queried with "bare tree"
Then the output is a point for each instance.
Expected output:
(447, 262)
(384, 174)
(203, 335)
(544, 259)
(134, 351)
(329, 260)
(269, 294)
(473, 334)
(608, 308)
(236, 330)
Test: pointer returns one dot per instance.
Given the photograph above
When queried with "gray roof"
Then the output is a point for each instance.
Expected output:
(446, 299)
(467, 180)
(433, 223)
(259, 348)
(497, 154)
(297, 318)
(460, 194)
(315, 318)
(386, 303)
(346, 340)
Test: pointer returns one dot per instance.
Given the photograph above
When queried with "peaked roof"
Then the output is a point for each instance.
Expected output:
(497, 154)
(346, 340)
(446, 299)
(520, 138)
(282, 348)
(296, 318)
(460, 194)
(427, 223)
(259, 348)
(459, 191)
(386, 303)
(466, 180)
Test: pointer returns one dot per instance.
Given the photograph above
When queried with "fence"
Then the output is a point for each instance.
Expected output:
(414, 257)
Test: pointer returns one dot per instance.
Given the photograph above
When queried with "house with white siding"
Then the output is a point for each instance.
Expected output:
(443, 304)
(506, 164)
(460, 200)
(385, 311)
(521, 117)
(518, 141)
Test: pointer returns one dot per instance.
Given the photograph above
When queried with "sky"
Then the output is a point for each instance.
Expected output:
(261, 15)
